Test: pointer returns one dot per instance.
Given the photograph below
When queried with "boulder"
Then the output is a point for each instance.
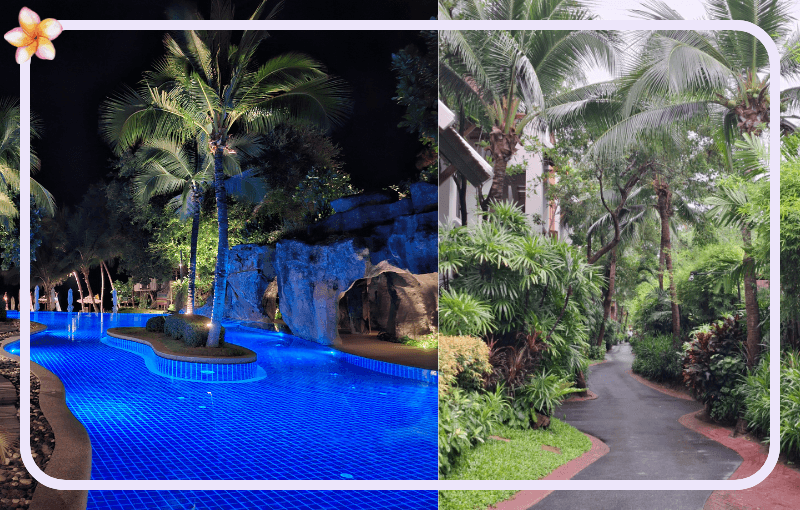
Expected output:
(368, 301)
(424, 197)
(250, 271)
(311, 279)
(344, 204)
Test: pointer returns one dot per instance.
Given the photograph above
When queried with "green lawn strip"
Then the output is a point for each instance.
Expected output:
(165, 343)
(140, 310)
(521, 458)
(426, 342)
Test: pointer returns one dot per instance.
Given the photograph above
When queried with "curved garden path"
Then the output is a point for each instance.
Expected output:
(640, 426)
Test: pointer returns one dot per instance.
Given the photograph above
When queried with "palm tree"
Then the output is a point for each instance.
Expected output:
(187, 170)
(9, 163)
(506, 79)
(212, 85)
(682, 76)
(52, 264)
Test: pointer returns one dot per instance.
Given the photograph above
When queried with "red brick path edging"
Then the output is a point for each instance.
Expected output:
(526, 499)
(780, 490)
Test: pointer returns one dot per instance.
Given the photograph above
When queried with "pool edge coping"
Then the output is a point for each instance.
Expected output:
(185, 359)
(72, 455)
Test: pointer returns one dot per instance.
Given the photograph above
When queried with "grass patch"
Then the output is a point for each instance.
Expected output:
(140, 310)
(166, 344)
(429, 341)
(521, 458)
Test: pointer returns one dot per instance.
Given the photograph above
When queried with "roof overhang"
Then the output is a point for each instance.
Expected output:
(459, 152)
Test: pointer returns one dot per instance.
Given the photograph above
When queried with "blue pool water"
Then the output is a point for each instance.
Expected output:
(309, 415)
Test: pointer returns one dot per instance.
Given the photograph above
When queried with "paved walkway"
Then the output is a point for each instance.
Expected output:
(640, 426)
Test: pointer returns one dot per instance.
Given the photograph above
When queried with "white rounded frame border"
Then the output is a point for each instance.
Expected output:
(626, 25)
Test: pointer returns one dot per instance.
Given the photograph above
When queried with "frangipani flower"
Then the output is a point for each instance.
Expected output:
(34, 36)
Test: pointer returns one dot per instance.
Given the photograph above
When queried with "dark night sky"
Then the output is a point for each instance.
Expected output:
(89, 66)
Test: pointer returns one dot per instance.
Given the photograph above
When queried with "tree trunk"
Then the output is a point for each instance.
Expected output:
(665, 212)
(108, 273)
(750, 301)
(80, 289)
(503, 146)
(102, 290)
(221, 269)
(461, 186)
(193, 256)
(612, 276)
(85, 272)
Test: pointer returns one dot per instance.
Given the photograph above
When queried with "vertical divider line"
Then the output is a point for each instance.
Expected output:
(25, 262)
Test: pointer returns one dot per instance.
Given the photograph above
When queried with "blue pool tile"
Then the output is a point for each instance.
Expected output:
(296, 422)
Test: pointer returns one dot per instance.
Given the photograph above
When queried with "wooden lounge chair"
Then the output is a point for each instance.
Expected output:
(164, 297)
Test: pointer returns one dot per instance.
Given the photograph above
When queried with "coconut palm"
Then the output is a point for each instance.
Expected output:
(213, 85)
(187, 170)
(9, 163)
(506, 80)
(681, 76)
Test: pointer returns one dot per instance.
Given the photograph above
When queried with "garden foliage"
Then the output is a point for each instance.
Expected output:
(511, 284)
(155, 324)
(656, 358)
(463, 362)
(713, 365)
(191, 329)
(755, 396)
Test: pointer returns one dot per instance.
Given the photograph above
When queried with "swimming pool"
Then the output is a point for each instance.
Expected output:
(311, 414)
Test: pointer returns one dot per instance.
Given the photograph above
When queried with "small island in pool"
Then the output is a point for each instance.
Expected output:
(184, 337)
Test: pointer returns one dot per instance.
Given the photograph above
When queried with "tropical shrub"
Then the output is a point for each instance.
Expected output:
(191, 329)
(707, 289)
(656, 358)
(463, 362)
(543, 393)
(655, 312)
(790, 404)
(512, 365)
(466, 419)
(155, 324)
(713, 364)
(755, 393)
(463, 314)
(595, 352)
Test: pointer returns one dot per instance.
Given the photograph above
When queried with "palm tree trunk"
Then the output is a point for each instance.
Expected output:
(503, 146)
(750, 301)
(85, 272)
(80, 289)
(221, 269)
(193, 256)
(665, 258)
(102, 289)
(612, 276)
(108, 273)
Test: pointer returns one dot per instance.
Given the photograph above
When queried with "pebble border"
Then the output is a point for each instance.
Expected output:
(72, 456)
